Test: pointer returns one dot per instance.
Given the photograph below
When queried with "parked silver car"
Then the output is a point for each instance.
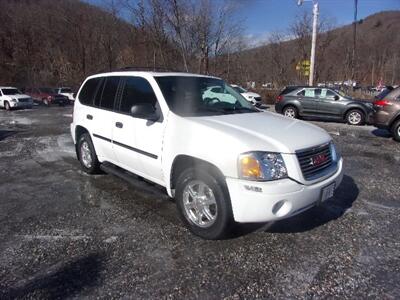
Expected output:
(323, 103)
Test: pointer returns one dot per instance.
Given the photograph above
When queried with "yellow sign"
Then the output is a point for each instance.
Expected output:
(303, 67)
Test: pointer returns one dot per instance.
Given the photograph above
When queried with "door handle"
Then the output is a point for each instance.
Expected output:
(89, 117)
(119, 125)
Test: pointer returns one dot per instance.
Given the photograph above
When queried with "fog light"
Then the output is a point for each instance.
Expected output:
(281, 208)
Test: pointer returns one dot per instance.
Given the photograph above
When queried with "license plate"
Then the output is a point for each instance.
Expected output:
(327, 192)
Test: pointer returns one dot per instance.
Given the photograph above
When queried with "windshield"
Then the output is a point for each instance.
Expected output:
(47, 90)
(200, 96)
(11, 92)
(66, 90)
(239, 89)
(341, 93)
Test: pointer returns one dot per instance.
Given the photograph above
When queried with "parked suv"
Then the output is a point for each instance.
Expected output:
(11, 97)
(323, 103)
(66, 91)
(221, 159)
(253, 98)
(47, 96)
(387, 113)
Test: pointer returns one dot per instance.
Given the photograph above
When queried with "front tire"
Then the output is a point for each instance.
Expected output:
(87, 155)
(7, 105)
(355, 117)
(203, 204)
(290, 112)
(46, 102)
(396, 131)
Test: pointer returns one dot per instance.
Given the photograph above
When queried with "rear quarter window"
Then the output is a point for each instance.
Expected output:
(88, 91)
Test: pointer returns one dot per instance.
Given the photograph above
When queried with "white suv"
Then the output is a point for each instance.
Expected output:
(66, 91)
(11, 97)
(222, 161)
(253, 98)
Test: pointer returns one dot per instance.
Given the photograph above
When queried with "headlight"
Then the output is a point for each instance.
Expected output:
(262, 166)
(14, 100)
(334, 152)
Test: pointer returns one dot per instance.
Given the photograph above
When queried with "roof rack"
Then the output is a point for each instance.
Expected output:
(151, 69)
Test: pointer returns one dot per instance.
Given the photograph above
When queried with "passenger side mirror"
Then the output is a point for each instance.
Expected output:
(144, 111)
(74, 95)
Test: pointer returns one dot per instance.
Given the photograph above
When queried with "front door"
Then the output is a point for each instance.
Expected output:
(328, 105)
(137, 143)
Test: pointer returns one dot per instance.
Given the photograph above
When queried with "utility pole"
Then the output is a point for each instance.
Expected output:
(313, 40)
(353, 59)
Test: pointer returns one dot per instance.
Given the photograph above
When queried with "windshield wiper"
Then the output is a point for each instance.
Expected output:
(240, 109)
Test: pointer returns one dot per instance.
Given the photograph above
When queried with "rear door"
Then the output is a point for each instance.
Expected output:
(138, 142)
(102, 116)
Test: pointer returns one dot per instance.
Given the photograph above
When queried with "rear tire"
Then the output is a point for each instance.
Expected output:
(87, 155)
(355, 117)
(203, 204)
(395, 129)
(291, 112)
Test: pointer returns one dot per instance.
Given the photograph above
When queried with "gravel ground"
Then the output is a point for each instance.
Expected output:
(64, 234)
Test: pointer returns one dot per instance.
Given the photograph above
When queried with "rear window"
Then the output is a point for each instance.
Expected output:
(88, 91)
(288, 90)
(66, 90)
(394, 95)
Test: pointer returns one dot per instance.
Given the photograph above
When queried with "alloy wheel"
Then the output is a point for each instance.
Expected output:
(290, 113)
(199, 204)
(354, 118)
(86, 155)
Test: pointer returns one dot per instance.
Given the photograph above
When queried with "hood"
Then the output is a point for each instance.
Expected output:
(19, 96)
(247, 94)
(266, 131)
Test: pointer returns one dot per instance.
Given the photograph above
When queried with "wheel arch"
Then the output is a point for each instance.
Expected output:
(182, 162)
(354, 107)
(297, 106)
(394, 120)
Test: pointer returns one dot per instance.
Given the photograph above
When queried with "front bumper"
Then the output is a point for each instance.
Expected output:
(254, 201)
(21, 104)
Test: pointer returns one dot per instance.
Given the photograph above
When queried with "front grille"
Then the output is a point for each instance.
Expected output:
(23, 100)
(314, 161)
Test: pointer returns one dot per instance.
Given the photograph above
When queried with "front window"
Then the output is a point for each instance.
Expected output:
(201, 96)
(11, 91)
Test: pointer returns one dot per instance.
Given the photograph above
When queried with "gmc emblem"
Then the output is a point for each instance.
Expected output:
(318, 160)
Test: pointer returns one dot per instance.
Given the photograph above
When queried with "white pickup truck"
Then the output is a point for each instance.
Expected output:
(222, 160)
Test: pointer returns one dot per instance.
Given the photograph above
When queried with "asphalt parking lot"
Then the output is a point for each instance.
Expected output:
(66, 234)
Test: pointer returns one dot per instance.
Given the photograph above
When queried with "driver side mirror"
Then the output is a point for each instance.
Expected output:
(336, 97)
(144, 111)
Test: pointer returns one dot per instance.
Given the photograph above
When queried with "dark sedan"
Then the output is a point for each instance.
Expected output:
(323, 103)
